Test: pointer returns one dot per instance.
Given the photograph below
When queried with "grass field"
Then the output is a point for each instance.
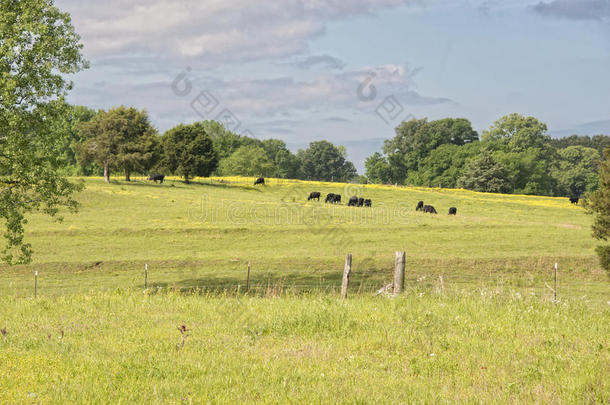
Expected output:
(477, 322)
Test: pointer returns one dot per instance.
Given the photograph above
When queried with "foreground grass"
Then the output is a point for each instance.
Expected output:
(472, 347)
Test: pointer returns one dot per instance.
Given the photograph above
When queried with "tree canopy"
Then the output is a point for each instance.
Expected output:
(485, 174)
(576, 171)
(599, 204)
(416, 139)
(188, 151)
(441, 152)
(248, 161)
(324, 161)
(122, 139)
(38, 47)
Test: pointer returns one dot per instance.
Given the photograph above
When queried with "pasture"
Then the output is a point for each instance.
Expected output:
(477, 322)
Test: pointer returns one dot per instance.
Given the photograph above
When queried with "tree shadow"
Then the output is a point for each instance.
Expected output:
(272, 281)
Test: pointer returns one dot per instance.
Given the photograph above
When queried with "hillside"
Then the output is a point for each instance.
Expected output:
(202, 235)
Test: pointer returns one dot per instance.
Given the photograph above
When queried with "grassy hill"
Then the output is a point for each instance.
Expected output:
(477, 323)
(202, 236)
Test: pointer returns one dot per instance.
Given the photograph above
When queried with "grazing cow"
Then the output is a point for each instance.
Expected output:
(314, 195)
(337, 199)
(361, 202)
(368, 203)
(156, 177)
(260, 180)
(420, 206)
(353, 201)
(330, 198)
(429, 209)
(452, 211)
(574, 200)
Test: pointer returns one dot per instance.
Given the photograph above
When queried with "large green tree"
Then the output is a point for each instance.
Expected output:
(286, 163)
(576, 172)
(188, 151)
(324, 161)
(248, 161)
(523, 147)
(377, 169)
(38, 46)
(122, 139)
(416, 139)
(485, 174)
(598, 203)
(69, 124)
(444, 165)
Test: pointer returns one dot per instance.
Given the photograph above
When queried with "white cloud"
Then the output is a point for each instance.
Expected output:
(264, 99)
(316, 61)
(217, 30)
(339, 90)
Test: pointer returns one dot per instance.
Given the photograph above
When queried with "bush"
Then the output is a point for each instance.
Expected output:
(603, 252)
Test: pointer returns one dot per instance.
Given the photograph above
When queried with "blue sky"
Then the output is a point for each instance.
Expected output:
(347, 70)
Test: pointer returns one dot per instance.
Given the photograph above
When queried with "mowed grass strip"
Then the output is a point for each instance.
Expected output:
(478, 347)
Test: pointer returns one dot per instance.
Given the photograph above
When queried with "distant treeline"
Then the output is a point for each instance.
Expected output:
(123, 140)
(515, 155)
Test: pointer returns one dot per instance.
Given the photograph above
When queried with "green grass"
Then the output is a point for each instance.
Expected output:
(478, 297)
(511, 240)
(125, 347)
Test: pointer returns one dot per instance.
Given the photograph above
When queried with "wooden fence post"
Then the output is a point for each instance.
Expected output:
(555, 293)
(399, 272)
(248, 279)
(346, 272)
(146, 276)
(35, 284)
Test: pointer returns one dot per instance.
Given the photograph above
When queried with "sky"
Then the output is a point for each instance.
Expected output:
(348, 71)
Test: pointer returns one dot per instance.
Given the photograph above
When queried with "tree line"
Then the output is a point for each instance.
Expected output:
(515, 155)
(123, 140)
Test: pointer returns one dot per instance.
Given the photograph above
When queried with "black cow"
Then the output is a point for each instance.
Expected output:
(368, 203)
(260, 180)
(353, 202)
(452, 211)
(330, 198)
(337, 199)
(420, 206)
(157, 177)
(314, 195)
(429, 209)
(574, 200)
(361, 202)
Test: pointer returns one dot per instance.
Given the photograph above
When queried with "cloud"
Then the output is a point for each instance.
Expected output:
(317, 61)
(270, 100)
(217, 31)
(575, 9)
(339, 90)
(336, 120)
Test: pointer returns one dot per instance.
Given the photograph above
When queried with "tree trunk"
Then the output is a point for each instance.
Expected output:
(127, 177)
(106, 172)
(186, 178)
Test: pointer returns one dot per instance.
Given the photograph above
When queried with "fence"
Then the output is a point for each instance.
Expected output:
(253, 285)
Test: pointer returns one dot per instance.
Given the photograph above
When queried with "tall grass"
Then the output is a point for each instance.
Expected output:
(477, 347)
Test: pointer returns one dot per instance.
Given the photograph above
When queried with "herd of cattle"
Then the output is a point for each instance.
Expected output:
(332, 198)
